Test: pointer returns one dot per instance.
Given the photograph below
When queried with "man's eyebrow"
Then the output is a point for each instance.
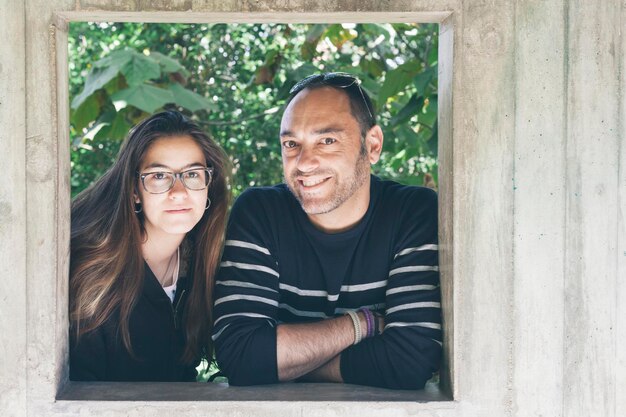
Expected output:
(286, 133)
(163, 166)
(322, 131)
(330, 129)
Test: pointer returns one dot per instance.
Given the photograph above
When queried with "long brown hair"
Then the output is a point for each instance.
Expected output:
(106, 262)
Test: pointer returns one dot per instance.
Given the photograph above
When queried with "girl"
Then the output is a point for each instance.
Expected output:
(146, 241)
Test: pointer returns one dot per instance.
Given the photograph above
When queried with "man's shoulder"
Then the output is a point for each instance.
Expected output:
(263, 207)
(408, 212)
(259, 214)
(404, 196)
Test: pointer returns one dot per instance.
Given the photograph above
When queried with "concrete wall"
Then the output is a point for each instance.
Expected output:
(533, 192)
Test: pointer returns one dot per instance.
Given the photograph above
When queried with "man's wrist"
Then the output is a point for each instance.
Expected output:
(364, 324)
(357, 325)
(370, 322)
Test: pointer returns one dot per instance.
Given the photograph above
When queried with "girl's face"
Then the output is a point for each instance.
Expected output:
(179, 209)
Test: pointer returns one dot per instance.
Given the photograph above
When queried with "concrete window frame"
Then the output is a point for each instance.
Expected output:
(159, 399)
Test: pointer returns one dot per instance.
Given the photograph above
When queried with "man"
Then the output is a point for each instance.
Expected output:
(308, 263)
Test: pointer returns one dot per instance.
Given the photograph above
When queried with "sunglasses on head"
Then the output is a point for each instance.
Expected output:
(335, 79)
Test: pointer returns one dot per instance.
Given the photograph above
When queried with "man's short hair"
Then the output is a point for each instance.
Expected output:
(360, 104)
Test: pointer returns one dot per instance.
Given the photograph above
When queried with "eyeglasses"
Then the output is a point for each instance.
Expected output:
(158, 182)
(335, 79)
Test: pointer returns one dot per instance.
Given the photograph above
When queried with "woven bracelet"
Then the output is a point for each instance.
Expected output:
(357, 326)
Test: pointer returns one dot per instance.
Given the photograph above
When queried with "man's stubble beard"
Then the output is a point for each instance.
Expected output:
(340, 194)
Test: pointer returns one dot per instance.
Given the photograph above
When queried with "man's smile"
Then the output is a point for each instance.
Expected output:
(312, 182)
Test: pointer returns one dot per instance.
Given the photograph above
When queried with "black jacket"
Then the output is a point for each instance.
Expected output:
(156, 336)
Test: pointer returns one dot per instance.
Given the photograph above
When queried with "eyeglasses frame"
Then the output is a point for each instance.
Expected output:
(179, 176)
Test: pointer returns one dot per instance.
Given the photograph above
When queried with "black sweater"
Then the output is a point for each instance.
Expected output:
(278, 268)
(156, 337)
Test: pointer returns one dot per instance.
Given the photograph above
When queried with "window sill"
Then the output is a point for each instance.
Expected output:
(180, 391)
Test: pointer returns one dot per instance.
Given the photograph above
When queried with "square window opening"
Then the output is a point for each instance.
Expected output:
(415, 107)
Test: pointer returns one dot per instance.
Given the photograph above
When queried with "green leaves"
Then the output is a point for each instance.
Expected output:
(168, 65)
(144, 97)
(231, 77)
(140, 68)
(149, 98)
(312, 38)
(137, 69)
(96, 79)
(190, 100)
(423, 79)
(397, 79)
(338, 35)
(409, 110)
(429, 112)
(116, 59)
(126, 77)
(86, 112)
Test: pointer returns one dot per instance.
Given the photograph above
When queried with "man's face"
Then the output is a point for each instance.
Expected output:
(324, 162)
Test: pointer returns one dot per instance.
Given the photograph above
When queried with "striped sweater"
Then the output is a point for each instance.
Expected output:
(278, 268)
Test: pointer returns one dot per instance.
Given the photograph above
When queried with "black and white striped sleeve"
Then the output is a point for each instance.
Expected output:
(408, 351)
(246, 301)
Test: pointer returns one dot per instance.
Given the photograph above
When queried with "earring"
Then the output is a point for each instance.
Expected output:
(208, 203)
(140, 208)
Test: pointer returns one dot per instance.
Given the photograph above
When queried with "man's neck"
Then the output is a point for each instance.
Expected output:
(347, 215)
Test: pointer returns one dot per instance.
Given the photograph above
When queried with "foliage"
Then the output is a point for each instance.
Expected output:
(233, 79)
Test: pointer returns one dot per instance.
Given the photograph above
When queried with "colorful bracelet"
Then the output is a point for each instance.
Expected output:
(357, 326)
(369, 319)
